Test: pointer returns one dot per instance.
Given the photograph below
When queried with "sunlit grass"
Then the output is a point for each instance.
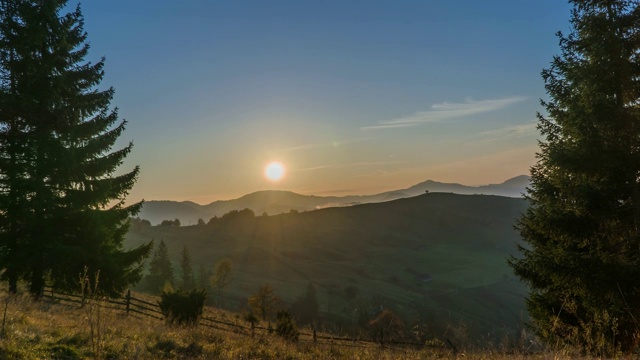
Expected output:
(44, 330)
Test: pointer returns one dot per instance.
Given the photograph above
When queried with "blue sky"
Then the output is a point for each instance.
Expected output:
(353, 97)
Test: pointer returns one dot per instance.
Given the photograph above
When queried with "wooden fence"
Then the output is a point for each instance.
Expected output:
(135, 307)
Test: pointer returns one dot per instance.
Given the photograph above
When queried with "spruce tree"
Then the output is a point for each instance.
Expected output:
(74, 207)
(13, 159)
(188, 281)
(160, 269)
(582, 227)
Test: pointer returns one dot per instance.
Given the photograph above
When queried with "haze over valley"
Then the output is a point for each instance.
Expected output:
(274, 202)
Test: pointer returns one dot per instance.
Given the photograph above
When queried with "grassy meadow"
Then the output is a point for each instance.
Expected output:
(46, 330)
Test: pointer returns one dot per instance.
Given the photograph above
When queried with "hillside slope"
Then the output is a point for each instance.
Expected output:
(437, 256)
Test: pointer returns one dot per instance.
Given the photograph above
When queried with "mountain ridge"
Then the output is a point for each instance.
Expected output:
(279, 201)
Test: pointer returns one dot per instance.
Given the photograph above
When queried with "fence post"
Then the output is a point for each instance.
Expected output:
(381, 337)
(128, 298)
(314, 335)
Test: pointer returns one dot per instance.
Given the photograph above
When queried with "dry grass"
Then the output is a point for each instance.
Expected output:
(44, 330)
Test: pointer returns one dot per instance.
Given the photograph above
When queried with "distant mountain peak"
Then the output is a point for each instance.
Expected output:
(280, 201)
(518, 180)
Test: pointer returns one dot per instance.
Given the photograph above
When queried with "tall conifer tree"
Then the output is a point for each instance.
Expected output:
(160, 269)
(75, 206)
(13, 150)
(583, 222)
(188, 281)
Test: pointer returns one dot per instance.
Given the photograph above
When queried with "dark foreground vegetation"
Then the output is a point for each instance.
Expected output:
(60, 329)
(62, 205)
(582, 228)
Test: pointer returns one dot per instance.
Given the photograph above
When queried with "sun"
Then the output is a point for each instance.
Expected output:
(274, 171)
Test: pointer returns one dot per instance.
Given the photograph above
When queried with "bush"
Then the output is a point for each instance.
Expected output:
(63, 352)
(182, 308)
(286, 326)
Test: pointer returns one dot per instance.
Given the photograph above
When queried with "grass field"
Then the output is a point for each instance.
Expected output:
(46, 330)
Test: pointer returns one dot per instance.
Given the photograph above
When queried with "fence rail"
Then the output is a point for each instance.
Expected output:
(132, 305)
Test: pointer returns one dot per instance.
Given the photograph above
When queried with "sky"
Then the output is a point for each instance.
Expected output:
(352, 97)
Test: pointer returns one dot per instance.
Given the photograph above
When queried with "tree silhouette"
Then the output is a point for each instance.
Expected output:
(64, 207)
(188, 282)
(306, 308)
(160, 269)
(583, 221)
(263, 302)
(222, 276)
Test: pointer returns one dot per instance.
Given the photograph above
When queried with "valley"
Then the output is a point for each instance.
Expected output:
(437, 259)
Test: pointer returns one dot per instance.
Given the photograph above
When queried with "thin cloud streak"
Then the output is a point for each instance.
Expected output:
(386, 126)
(356, 164)
(510, 131)
(447, 111)
(324, 145)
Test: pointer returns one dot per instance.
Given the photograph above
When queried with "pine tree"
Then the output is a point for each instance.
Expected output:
(583, 223)
(13, 160)
(188, 281)
(306, 308)
(204, 278)
(74, 208)
(160, 269)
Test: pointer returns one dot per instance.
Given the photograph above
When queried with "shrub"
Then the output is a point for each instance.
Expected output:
(286, 326)
(182, 308)
(64, 352)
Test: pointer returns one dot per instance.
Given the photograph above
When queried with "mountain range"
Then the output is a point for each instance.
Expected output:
(274, 202)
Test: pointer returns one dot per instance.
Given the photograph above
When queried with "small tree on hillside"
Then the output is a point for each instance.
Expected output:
(222, 276)
(306, 308)
(204, 278)
(263, 302)
(160, 269)
(188, 282)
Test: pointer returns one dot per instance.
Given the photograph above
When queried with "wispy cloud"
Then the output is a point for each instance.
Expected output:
(386, 126)
(334, 144)
(447, 111)
(352, 165)
(510, 131)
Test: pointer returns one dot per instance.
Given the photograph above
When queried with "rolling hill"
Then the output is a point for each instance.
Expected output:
(277, 202)
(438, 257)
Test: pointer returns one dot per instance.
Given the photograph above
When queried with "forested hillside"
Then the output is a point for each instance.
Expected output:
(437, 259)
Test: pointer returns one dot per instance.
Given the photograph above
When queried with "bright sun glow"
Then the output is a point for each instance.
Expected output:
(274, 171)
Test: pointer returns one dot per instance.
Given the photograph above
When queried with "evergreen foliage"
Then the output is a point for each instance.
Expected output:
(188, 281)
(583, 223)
(183, 307)
(306, 308)
(160, 269)
(204, 278)
(286, 326)
(64, 207)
